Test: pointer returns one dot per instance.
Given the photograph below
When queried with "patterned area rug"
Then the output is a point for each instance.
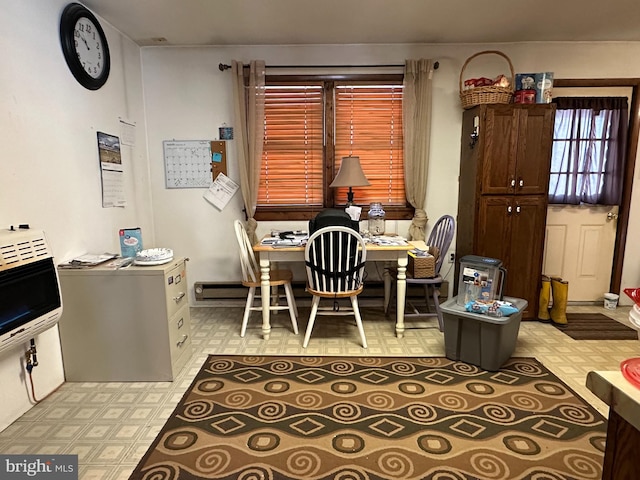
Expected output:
(596, 326)
(372, 418)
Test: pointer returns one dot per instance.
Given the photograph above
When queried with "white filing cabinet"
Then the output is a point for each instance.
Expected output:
(131, 324)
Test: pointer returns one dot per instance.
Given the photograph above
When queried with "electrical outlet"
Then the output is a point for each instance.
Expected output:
(452, 258)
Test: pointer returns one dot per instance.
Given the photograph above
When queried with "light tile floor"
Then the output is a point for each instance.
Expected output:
(111, 425)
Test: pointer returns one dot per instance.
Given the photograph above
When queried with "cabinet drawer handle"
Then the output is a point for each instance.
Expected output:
(513, 182)
(182, 340)
(509, 210)
(518, 209)
(179, 297)
(521, 183)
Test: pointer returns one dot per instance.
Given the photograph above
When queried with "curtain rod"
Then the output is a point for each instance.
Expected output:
(224, 67)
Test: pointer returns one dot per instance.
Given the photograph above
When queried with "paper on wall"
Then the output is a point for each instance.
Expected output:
(220, 192)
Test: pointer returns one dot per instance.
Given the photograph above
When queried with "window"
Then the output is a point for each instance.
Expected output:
(589, 143)
(310, 124)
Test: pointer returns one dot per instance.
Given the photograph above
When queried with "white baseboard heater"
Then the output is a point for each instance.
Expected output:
(229, 290)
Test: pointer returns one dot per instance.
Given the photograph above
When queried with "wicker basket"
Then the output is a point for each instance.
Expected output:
(423, 267)
(490, 94)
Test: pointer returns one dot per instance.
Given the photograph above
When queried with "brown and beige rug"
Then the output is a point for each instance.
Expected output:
(596, 326)
(349, 418)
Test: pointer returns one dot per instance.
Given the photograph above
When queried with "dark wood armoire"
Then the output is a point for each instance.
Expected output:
(503, 190)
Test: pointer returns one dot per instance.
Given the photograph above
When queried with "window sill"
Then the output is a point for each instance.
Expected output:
(309, 212)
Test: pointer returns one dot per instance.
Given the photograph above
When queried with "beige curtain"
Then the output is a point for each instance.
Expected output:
(249, 114)
(416, 117)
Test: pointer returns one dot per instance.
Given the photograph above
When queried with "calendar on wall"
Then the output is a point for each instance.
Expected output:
(187, 163)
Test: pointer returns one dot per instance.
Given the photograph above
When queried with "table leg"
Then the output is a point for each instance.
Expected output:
(265, 292)
(386, 276)
(401, 294)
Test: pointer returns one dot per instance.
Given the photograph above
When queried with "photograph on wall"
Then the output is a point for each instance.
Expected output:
(111, 171)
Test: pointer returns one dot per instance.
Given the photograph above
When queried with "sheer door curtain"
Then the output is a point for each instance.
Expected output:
(589, 146)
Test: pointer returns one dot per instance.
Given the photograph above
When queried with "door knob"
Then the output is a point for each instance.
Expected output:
(612, 216)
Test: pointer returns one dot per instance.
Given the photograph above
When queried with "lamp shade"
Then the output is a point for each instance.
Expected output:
(350, 174)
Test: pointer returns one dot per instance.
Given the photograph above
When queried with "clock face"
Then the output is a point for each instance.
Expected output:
(89, 47)
(84, 46)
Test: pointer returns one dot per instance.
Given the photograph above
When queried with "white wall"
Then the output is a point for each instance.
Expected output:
(49, 169)
(187, 97)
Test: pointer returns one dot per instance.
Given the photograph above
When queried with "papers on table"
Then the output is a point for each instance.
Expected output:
(387, 241)
(299, 239)
(88, 260)
(294, 239)
(284, 242)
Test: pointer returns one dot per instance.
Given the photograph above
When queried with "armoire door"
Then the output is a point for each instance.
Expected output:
(527, 247)
(517, 146)
(535, 132)
(493, 229)
(498, 160)
(511, 229)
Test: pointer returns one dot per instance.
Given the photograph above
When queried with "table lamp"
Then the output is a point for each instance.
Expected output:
(350, 175)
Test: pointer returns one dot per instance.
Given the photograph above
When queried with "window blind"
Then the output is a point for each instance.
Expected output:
(369, 125)
(292, 158)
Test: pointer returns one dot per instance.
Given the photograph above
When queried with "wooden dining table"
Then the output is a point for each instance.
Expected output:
(375, 253)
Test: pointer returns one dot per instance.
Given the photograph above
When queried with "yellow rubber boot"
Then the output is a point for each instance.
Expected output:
(560, 293)
(543, 303)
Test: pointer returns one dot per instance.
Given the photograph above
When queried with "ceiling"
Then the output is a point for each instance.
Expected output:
(300, 22)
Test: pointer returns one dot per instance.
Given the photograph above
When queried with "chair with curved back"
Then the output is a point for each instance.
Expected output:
(251, 279)
(335, 259)
(440, 237)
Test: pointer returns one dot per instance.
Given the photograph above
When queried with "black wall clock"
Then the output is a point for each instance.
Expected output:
(85, 47)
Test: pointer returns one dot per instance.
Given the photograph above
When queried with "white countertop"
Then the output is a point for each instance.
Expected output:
(617, 392)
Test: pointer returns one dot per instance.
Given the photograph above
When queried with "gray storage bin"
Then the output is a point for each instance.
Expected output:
(480, 339)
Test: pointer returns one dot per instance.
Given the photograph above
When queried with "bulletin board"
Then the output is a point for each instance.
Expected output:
(187, 163)
(218, 158)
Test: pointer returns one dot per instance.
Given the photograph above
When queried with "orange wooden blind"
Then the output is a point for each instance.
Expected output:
(292, 162)
(369, 126)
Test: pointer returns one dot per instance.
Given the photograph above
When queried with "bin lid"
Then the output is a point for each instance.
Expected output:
(478, 260)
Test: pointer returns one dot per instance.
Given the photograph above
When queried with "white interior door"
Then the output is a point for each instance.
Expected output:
(580, 240)
(579, 245)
